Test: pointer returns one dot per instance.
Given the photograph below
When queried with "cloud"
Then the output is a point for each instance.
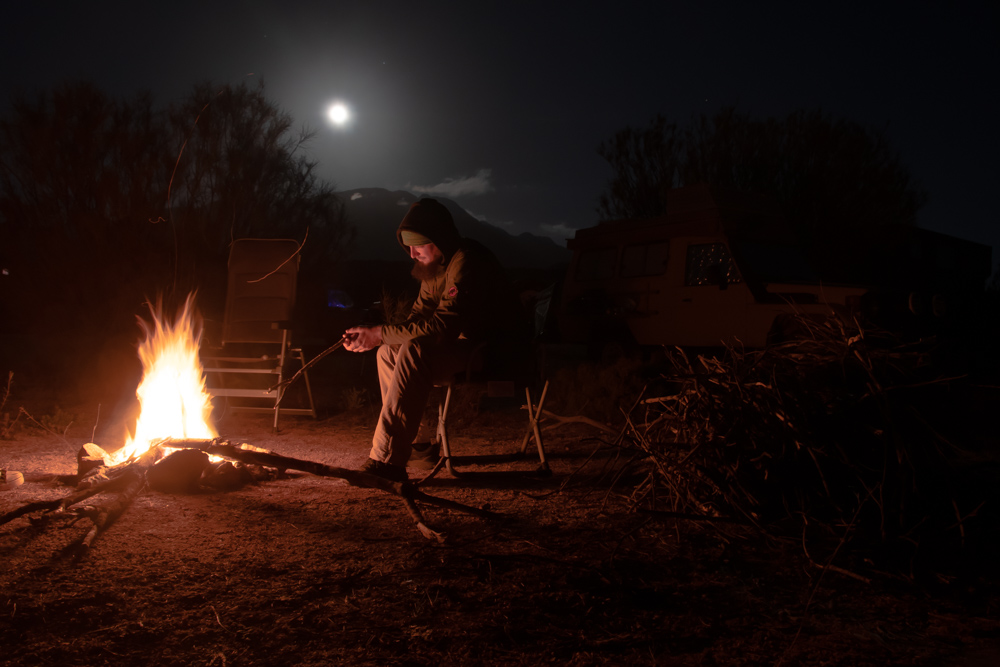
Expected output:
(559, 231)
(459, 187)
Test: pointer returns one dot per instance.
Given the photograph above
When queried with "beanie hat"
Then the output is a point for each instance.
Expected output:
(409, 238)
(429, 219)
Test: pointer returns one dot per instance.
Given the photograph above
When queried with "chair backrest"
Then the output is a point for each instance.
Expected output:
(261, 289)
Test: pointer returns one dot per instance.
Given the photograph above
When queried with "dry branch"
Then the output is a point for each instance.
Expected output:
(101, 480)
(809, 428)
(253, 456)
(126, 481)
(576, 419)
(134, 481)
(663, 514)
(309, 364)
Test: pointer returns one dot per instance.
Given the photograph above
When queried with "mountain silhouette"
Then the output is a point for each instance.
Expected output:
(375, 214)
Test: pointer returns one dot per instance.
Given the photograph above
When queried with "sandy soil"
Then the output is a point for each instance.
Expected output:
(312, 571)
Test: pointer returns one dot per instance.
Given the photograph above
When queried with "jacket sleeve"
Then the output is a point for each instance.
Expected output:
(437, 310)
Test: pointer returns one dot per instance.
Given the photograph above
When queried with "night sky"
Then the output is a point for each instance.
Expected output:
(501, 106)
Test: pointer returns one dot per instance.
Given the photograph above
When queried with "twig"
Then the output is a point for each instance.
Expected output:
(170, 183)
(309, 364)
(575, 419)
(828, 566)
(961, 519)
(93, 434)
(290, 258)
(840, 570)
(7, 428)
(663, 514)
(418, 520)
(22, 411)
(219, 621)
(6, 392)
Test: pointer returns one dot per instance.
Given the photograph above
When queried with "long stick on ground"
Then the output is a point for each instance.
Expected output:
(404, 490)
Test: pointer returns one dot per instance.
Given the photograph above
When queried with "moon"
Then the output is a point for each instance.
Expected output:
(338, 113)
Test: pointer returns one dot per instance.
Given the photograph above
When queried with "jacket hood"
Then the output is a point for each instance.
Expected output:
(428, 217)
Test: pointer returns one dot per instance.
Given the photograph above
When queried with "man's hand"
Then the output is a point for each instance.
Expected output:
(362, 339)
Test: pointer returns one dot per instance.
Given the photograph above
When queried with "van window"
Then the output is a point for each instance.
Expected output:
(596, 264)
(708, 264)
(645, 260)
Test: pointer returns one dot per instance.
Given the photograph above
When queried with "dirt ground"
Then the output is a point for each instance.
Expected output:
(304, 570)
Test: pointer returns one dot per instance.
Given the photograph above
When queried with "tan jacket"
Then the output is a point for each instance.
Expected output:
(471, 299)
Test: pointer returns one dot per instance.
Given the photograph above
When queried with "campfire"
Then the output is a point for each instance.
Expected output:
(172, 398)
(175, 448)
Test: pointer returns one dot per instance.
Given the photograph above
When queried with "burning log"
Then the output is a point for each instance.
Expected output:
(226, 476)
(178, 472)
(89, 457)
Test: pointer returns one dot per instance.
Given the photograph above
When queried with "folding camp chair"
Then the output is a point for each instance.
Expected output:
(256, 331)
(498, 376)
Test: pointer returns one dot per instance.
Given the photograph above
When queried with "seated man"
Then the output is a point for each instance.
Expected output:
(464, 299)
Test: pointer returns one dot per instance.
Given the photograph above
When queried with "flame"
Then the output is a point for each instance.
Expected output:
(173, 402)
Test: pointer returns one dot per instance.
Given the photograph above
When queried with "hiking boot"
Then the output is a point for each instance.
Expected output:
(385, 471)
(425, 455)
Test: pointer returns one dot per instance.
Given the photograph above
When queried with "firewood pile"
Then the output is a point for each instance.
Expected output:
(839, 438)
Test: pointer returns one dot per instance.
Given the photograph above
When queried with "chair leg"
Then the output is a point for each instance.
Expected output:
(282, 355)
(534, 412)
(277, 408)
(309, 392)
(442, 438)
(442, 432)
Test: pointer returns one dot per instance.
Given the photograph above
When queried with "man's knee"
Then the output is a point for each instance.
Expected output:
(416, 349)
(386, 354)
(426, 353)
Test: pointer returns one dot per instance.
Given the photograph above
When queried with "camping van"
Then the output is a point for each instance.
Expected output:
(694, 277)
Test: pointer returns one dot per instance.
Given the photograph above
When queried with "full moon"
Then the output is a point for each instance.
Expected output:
(338, 113)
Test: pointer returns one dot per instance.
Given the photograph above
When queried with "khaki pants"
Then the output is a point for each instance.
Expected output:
(406, 375)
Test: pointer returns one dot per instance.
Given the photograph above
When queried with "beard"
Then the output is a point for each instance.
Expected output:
(426, 271)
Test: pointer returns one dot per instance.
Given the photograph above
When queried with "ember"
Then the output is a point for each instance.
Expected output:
(172, 397)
